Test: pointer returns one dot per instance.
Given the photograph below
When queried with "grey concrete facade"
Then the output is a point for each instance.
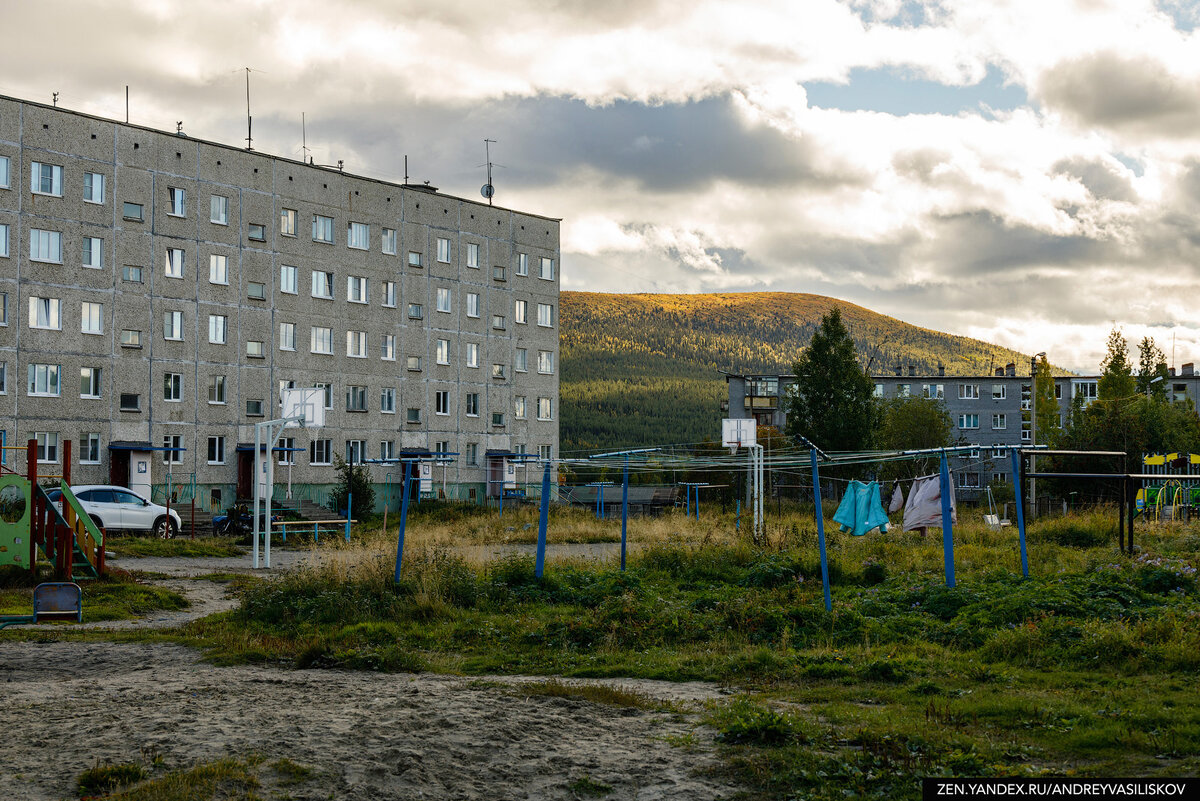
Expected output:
(204, 299)
(986, 410)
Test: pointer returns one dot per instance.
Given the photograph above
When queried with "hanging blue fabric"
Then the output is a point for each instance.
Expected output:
(861, 510)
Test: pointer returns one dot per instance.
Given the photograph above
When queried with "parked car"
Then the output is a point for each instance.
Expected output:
(120, 509)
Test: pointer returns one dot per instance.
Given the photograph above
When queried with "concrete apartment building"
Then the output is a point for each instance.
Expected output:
(986, 410)
(157, 292)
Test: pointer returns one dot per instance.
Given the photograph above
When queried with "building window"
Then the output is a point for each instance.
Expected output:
(968, 392)
(498, 322)
(545, 315)
(358, 236)
(90, 381)
(288, 279)
(999, 422)
(443, 300)
(131, 273)
(44, 313)
(131, 339)
(472, 304)
(546, 362)
(412, 415)
(969, 480)
(173, 387)
(498, 371)
(443, 351)
(519, 407)
(287, 336)
(320, 451)
(89, 448)
(322, 284)
(286, 450)
(93, 252)
(47, 179)
(174, 265)
(498, 273)
(217, 328)
(256, 232)
(472, 354)
(356, 289)
(216, 389)
(219, 210)
(321, 340)
(415, 311)
(356, 344)
(4, 240)
(414, 259)
(176, 202)
(544, 452)
(521, 360)
(546, 269)
(999, 452)
(999, 391)
(387, 400)
(287, 222)
(999, 478)
(933, 391)
(522, 264)
(966, 421)
(389, 294)
(3, 308)
(473, 255)
(47, 446)
(130, 402)
(441, 401)
(414, 363)
(472, 454)
(388, 242)
(44, 380)
(45, 246)
(93, 187)
(218, 269)
(133, 212)
(387, 350)
(387, 450)
(4, 172)
(356, 451)
(1084, 389)
(91, 317)
(443, 250)
(903, 390)
(256, 290)
(322, 229)
(472, 404)
(521, 311)
(216, 450)
(3, 379)
(254, 349)
(356, 398)
(545, 409)
(254, 407)
(441, 446)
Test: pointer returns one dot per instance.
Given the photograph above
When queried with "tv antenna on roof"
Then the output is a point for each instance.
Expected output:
(488, 189)
(249, 119)
(303, 139)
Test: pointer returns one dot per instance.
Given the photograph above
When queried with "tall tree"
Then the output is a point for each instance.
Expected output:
(1116, 379)
(1152, 364)
(1046, 404)
(911, 423)
(832, 403)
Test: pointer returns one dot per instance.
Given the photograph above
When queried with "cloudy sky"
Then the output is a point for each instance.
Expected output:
(1023, 171)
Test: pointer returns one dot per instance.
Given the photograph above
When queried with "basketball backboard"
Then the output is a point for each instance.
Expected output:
(307, 402)
(738, 432)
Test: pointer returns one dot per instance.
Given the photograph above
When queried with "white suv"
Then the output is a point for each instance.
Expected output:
(118, 508)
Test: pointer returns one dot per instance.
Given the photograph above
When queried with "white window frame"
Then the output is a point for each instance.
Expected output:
(5, 173)
(358, 236)
(471, 404)
(999, 421)
(47, 446)
(95, 379)
(89, 447)
(444, 300)
(546, 362)
(968, 392)
(521, 312)
(289, 279)
(45, 381)
(443, 250)
(387, 242)
(38, 174)
(45, 246)
(522, 264)
(218, 269)
(473, 255)
(4, 240)
(545, 408)
(521, 360)
(545, 315)
(218, 329)
(173, 326)
(287, 222)
(519, 407)
(176, 202)
(320, 452)
(357, 289)
(174, 265)
(326, 282)
(356, 344)
(219, 442)
(218, 210)
(389, 294)
(999, 391)
(216, 390)
(968, 421)
(93, 188)
(45, 314)
(387, 400)
(546, 268)
(322, 225)
(173, 387)
(356, 398)
(92, 253)
(287, 336)
(387, 348)
(91, 317)
(320, 340)
(472, 357)
(473, 304)
(441, 402)
(443, 351)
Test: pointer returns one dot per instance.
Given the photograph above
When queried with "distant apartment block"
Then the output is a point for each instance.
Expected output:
(157, 293)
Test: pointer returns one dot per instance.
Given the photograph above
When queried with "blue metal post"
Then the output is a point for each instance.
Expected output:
(947, 523)
(541, 548)
(624, 510)
(821, 532)
(349, 506)
(687, 501)
(697, 503)
(600, 507)
(737, 521)
(1016, 473)
(403, 521)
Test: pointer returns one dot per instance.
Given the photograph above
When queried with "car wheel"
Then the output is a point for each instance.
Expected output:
(164, 528)
(96, 521)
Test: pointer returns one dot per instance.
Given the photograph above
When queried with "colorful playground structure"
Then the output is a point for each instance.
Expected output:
(1174, 496)
(33, 528)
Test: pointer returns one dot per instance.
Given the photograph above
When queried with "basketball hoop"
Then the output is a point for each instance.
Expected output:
(304, 408)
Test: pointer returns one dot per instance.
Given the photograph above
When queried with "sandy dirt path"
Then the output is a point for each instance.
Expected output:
(367, 736)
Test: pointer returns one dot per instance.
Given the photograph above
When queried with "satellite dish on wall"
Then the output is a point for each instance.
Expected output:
(487, 190)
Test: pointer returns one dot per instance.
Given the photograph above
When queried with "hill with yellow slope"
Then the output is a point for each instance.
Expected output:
(642, 370)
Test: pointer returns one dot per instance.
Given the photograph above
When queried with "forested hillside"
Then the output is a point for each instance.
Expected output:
(641, 370)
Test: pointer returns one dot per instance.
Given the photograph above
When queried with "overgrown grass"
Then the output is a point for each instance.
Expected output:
(229, 779)
(180, 546)
(116, 596)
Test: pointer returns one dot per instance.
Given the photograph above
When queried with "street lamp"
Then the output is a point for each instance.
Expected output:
(1033, 430)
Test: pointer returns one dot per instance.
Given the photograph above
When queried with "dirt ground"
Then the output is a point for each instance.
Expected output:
(366, 736)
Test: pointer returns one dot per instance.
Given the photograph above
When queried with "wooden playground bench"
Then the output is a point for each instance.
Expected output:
(54, 600)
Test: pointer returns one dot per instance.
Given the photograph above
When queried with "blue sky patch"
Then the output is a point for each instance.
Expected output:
(890, 91)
